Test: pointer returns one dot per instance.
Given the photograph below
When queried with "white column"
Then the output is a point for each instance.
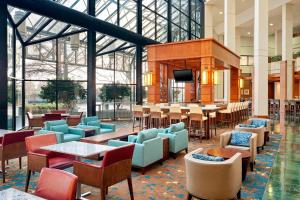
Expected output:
(261, 32)
(209, 33)
(237, 41)
(278, 43)
(287, 46)
(229, 40)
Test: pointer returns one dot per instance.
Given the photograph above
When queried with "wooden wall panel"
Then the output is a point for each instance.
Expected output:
(271, 94)
(235, 85)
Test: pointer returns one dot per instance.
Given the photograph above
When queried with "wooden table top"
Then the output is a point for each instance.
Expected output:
(227, 152)
(102, 138)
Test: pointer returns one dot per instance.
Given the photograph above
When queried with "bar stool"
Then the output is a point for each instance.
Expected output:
(227, 115)
(138, 114)
(176, 115)
(157, 118)
(213, 119)
(196, 122)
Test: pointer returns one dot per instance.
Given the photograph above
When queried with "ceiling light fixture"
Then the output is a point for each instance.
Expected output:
(221, 12)
(249, 33)
(271, 24)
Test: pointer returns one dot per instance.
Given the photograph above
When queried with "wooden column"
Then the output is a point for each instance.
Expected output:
(235, 85)
(207, 90)
(154, 90)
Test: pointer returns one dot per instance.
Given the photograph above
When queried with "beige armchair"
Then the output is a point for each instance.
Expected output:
(268, 128)
(213, 180)
(225, 143)
(260, 131)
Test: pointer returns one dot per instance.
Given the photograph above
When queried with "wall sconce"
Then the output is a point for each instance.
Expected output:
(216, 77)
(204, 78)
(241, 83)
(148, 79)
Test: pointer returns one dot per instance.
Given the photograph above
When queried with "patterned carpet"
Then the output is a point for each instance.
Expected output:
(167, 181)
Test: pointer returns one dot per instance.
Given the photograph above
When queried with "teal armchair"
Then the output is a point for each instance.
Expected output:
(63, 132)
(94, 123)
(178, 137)
(148, 148)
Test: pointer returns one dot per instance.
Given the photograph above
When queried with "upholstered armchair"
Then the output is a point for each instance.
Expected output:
(38, 158)
(178, 137)
(261, 121)
(225, 140)
(148, 148)
(115, 167)
(260, 131)
(48, 186)
(34, 121)
(74, 120)
(63, 132)
(94, 123)
(213, 179)
(12, 145)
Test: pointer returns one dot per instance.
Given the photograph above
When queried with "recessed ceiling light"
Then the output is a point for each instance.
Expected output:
(221, 12)
(271, 24)
(249, 33)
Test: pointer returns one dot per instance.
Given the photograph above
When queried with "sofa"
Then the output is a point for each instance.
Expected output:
(63, 132)
(213, 179)
(225, 140)
(178, 137)
(94, 123)
(148, 147)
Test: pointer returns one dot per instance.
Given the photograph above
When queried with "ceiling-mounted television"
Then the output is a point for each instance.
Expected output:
(185, 75)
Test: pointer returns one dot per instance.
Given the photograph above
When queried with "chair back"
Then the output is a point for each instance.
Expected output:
(56, 184)
(196, 110)
(52, 116)
(29, 115)
(34, 143)
(137, 111)
(13, 144)
(61, 111)
(117, 164)
(175, 110)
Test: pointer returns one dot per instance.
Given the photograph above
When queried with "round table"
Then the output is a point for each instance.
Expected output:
(227, 153)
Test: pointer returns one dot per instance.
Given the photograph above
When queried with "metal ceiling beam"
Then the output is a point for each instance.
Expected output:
(38, 30)
(67, 15)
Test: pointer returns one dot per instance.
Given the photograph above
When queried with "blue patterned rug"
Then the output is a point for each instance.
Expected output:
(167, 181)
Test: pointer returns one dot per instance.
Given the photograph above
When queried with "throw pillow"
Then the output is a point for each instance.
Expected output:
(176, 127)
(240, 138)
(94, 123)
(60, 128)
(259, 122)
(146, 135)
(247, 126)
(207, 157)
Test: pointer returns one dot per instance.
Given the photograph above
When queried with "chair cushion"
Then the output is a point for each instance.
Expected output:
(106, 130)
(259, 122)
(71, 137)
(49, 124)
(176, 127)
(60, 128)
(239, 138)
(146, 135)
(90, 119)
(247, 126)
(94, 123)
(207, 157)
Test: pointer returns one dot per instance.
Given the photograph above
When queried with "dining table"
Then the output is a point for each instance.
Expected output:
(205, 109)
(14, 194)
(79, 150)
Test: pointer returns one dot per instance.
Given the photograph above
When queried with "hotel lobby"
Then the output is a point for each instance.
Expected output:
(149, 99)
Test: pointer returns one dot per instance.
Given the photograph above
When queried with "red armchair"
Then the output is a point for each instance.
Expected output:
(34, 121)
(39, 158)
(74, 120)
(12, 145)
(116, 167)
(55, 184)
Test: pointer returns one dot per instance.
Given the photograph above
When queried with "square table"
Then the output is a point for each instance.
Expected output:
(14, 194)
(79, 150)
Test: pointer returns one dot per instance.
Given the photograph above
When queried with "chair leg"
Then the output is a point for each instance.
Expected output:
(189, 196)
(103, 193)
(20, 162)
(27, 180)
(129, 180)
(3, 170)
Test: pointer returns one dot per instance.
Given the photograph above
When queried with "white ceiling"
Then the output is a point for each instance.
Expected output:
(246, 7)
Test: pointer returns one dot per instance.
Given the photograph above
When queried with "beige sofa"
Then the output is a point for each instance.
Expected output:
(213, 180)
(260, 131)
(225, 140)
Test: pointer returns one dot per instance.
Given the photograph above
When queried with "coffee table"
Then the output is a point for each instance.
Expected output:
(103, 138)
(227, 153)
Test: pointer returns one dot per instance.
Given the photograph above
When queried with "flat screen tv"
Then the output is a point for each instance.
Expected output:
(185, 75)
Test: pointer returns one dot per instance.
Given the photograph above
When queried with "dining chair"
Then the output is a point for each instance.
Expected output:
(52, 116)
(39, 158)
(34, 121)
(74, 120)
(13, 146)
(55, 184)
(138, 114)
(115, 167)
